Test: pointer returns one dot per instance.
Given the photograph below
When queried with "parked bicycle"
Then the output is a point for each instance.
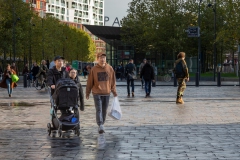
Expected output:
(167, 77)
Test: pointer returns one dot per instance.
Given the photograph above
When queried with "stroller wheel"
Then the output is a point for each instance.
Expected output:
(49, 128)
(77, 131)
(59, 133)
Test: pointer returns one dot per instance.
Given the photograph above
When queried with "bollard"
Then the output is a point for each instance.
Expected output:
(175, 81)
(25, 80)
(197, 80)
(219, 79)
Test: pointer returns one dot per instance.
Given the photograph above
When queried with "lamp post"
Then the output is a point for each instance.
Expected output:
(215, 36)
(30, 44)
(199, 46)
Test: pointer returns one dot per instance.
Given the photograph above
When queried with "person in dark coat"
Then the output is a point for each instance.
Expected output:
(57, 72)
(147, 73)
(7, 80)
(25, 69)
(34, 70)
(85, 71)
(130, 69)
(73, 76)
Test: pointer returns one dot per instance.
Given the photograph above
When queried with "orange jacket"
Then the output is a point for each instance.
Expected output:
(101, 81)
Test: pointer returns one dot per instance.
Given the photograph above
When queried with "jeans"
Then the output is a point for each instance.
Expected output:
(128, 84)
(148, 84)
(9, 82)
(101, 105)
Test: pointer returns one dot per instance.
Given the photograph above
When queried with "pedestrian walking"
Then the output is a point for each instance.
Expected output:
(47, 63)
(14, 67)
(119, 72)
(25, 69)
(42, 73)
(7, 80)
(140, 69)
(101, 82)
(34, 70)
(147, 73)
(130, 70)
(57, 72)
(74, 77)
(182, 75)
(85, 71)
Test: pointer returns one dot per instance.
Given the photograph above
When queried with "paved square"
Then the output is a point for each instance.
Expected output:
(205, 127)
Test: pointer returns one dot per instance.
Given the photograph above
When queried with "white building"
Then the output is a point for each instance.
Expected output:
(77, 11)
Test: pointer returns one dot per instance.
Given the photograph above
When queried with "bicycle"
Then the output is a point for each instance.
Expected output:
(39, 85)
(168, 76)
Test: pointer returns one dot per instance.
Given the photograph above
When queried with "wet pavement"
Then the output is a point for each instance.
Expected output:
(205, 127)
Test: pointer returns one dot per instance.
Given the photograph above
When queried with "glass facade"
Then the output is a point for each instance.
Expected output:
(118, 53)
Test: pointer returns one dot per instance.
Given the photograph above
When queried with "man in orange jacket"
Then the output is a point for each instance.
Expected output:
(101, 82)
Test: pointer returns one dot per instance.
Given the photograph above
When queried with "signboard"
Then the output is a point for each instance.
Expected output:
(75, 64)
(193, 31)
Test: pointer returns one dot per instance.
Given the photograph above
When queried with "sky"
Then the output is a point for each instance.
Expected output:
(115, 8)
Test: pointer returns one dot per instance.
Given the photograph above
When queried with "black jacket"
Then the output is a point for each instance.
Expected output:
(147, 72)
(130, 68)
(35, 70)
(80, 93)
(53, 75)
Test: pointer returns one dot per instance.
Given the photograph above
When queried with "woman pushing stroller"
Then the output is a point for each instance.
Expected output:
(66, 92)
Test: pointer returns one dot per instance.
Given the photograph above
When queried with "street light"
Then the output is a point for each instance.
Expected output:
(215, 36)
(199, 46)
(30, 44)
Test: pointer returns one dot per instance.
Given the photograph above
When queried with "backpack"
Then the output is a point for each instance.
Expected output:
(179, 72)
(67, 93)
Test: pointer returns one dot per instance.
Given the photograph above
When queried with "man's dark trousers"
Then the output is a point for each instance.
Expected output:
(128, 85)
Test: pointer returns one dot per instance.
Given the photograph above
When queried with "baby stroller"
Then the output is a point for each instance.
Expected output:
(65, 100)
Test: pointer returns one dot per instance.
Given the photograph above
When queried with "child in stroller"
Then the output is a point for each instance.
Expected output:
(65, 100)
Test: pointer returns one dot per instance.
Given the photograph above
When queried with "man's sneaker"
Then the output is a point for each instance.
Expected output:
(101, 129)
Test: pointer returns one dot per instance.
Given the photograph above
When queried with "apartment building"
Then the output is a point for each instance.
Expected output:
(74, 13)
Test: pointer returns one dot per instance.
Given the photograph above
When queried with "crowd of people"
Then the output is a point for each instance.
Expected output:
(101, 80)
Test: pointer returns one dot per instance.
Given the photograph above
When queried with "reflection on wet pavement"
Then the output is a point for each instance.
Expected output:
(205, 127)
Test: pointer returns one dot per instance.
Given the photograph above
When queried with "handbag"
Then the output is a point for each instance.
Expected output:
(132, 76)
(154, 84)
(14, 77)
(115, 110)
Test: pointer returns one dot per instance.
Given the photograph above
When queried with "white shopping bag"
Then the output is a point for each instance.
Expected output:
(115, 110)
